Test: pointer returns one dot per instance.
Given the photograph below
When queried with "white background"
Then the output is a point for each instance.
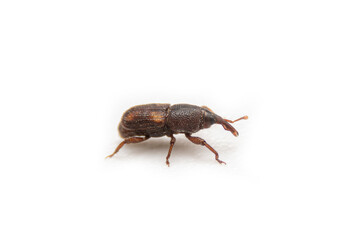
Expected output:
(69, 69)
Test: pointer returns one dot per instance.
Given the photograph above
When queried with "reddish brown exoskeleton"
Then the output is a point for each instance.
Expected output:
(142, 122)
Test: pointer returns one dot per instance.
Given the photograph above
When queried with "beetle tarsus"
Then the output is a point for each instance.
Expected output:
(201, 141)
(117, 149)
(126, 141)
(221, 162)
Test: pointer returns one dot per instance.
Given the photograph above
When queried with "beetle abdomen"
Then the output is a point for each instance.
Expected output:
(144, 120)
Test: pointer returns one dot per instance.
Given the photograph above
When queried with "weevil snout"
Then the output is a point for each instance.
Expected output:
(227, 126)
(211, 118)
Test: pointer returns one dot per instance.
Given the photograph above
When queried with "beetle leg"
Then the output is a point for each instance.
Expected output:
(172, 142)
(201, 141)
(126, 141)
(230, 121)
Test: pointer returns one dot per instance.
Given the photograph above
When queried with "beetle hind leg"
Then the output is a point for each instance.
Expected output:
(202, 142)
(172, 143)
(126, 141)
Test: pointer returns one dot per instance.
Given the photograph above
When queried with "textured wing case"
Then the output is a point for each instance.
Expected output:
(144, 120)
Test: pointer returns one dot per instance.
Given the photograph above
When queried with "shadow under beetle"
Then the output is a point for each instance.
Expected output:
(157, 120)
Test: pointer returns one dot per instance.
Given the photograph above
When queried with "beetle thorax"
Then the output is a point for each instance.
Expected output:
(184, 118)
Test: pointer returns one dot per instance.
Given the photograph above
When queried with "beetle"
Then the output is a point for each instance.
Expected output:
(141, 122)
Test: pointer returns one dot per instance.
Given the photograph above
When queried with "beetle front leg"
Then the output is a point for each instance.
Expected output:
(172, 142)
(201, 141)
(126, 141)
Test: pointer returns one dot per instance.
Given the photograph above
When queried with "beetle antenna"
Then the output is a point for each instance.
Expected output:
(230, 121)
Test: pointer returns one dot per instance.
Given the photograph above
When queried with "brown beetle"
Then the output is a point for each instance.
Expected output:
(157, 120)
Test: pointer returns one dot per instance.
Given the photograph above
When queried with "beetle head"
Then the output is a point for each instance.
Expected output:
(211, 118)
